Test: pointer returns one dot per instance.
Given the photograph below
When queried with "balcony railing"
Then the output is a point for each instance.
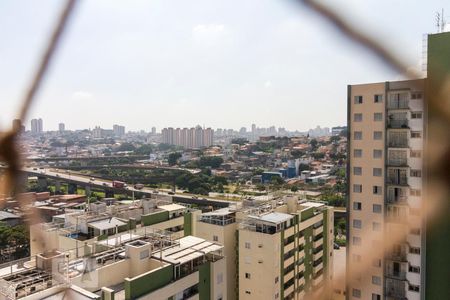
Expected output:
(398, 124)
(398, 143)
(399, 275)
(395, 199)
(397, 180)
(396, 289)
(397, 162)
(398, 101)
(399, 256)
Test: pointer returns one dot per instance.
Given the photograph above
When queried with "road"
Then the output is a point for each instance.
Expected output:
(82, 180)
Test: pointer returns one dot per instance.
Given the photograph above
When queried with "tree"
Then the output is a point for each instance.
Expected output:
(239, 141)
(294, 189)
(173, 158)
(125, 147)
(318, 155)
(303, 167)
(335, 138)
(313, 144)
(145, 149)
(297, 153)
(210, 161)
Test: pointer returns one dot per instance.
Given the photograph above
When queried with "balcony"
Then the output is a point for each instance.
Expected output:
(395, 289)
(399, 275)
(398, 101)
(318, 230)
(397, 195)
(318, 268)
(395, 179)
(318, 243)
(398, 123)
(398, 256)
(397, 162)
(317, 255)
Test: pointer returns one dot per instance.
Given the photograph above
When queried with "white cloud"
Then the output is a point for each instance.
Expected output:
(82, 95)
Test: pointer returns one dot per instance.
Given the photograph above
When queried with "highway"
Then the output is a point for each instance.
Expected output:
(103, 184)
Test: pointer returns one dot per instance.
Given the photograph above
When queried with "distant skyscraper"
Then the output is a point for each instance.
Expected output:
(153, 130)
(97, 132)
(61, 127)
(118, 130)
(37, 126)
(188, 137)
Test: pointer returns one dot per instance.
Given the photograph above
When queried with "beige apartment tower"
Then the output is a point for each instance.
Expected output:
(385, 254)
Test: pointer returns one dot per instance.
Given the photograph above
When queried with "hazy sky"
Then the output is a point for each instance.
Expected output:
(218, 63)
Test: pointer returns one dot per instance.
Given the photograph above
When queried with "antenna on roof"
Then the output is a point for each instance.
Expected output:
(438, 21)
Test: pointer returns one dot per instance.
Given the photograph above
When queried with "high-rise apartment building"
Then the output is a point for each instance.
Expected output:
(391, 253)
(37, 126)
(118, 130)
(188, 137)
(386, 122)
(276, 250)
(61, 127)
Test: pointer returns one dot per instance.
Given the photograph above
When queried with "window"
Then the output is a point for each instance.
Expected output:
(247, 259)
(377, 190)
(247, 245)
(376, 280)
(415, 231)
(356, 293)
(376, 208)
(357, 170)
(357, 118)
(415, 153)
(416, 115)
(357, 188)
(416, 134)
(413, 288)
(277, 295)
(414, 269)
(416, 95)
(357, 153)
(276, 279)
(377, 153)
(414, 250)
(376, 297)
(358, 99)
(378, 117)
(357, 205)
(357, 135)
(357, 223)
(356, 240)
(378, 98)
(376, 226)
(377, 135)
(415, 173)
(248, 292)
(377, 172)
(248, 275)
(415, 192)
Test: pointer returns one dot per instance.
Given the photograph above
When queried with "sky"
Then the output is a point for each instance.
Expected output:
(221, 63)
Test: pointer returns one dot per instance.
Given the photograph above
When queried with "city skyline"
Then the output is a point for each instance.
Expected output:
(280, 57)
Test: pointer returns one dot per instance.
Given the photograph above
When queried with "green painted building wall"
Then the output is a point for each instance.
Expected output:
(437, 271)
(155, 218)
(148, 282)
(204, 282)
(187, 224)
